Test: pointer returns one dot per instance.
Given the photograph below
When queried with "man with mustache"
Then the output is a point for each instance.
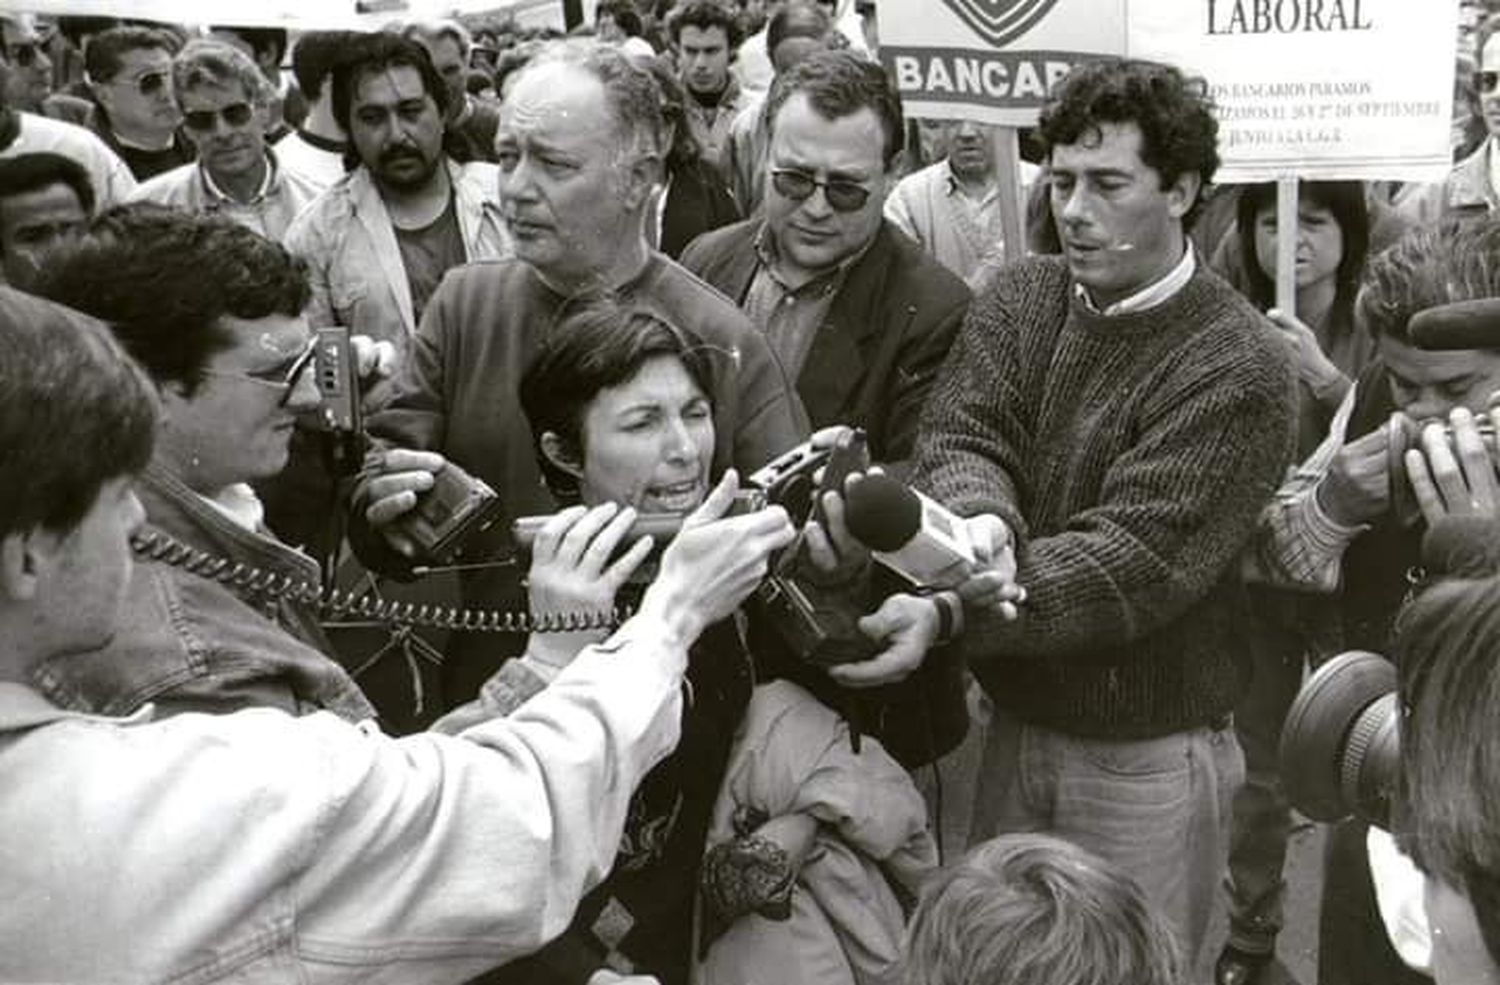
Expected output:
(225, 105)
(378, 242)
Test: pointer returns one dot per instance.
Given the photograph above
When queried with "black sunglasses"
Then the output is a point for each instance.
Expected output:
(148, 83)
(1485, 81)
(235, 114)
(843, 196)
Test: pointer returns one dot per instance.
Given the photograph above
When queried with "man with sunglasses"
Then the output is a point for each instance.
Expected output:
(858, 315)
(1472, 188)
(23, 132)
(213, 313)
(225, 103)
(128, 71)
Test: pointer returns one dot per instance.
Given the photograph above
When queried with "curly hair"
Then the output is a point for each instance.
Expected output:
(1174, 112)
(705, 15)
(839, 84)
(74, 414)
(595, 347)
(1454, 261)
(370, 54)
(163, 279)
(219, 63)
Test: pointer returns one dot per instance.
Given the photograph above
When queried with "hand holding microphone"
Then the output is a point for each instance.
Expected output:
(932, 547)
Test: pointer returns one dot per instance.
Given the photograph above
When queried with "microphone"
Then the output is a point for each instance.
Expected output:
(1458, 325)
(912, 535)
(662, 526)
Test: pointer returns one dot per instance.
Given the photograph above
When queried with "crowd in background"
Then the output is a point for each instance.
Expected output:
(601, 270)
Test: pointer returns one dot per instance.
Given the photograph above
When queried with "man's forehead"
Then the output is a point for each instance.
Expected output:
(1435, 365)
(136, 59)
(48, 204)
(388, 85)
(703, 37)
(1102, 146)
(207, 94)
(560, 101)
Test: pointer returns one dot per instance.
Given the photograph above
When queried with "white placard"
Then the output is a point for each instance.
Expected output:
(991, 60)
(1316, 88)
(1312, 88)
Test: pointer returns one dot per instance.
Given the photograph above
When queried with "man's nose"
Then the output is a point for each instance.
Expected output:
(304, 394)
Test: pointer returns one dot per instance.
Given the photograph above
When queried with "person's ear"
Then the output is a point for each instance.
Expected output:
(640, 177)
(24, 556)
(1182, 193)
(562, 454)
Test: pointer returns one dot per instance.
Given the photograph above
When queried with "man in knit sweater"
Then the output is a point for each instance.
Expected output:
(1117, 416)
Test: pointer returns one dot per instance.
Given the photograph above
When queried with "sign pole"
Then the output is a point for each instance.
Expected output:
(1286, 244)
(1007, 144)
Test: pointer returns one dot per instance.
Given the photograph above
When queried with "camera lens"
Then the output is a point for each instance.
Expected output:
(1340, 747)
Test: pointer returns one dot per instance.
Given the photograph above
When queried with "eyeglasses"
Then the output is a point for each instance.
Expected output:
(284, 377)
(235, 114)
(147, 83)
(1486, 81)
(843, 196)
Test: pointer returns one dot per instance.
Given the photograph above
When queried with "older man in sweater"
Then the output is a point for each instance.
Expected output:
(1117, 416)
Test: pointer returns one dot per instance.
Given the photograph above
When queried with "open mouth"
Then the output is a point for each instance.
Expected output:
(680, 497)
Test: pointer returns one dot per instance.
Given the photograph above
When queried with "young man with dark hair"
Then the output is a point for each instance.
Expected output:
(226, 107)
(1117, 417)
(705, 34)
(129, 74)
(856, 313)
(317, 148)
(45, 200)
(259, 845)
(378, 243)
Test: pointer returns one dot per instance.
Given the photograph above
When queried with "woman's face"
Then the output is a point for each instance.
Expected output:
(648, 443)
(1320, 242)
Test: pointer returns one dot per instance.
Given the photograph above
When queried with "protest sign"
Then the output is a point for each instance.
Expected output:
(1316, 88)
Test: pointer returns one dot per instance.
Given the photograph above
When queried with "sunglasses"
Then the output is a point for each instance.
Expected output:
(1486, 81)
(283, 378)
(235, 114)
(147, 84)
(843, 196)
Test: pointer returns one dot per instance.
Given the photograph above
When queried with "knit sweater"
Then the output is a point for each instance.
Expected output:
(1130, 455)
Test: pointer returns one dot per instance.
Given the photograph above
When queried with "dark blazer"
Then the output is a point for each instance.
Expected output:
(885, 337)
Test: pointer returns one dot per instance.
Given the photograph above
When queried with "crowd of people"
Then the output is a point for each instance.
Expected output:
(604, 281)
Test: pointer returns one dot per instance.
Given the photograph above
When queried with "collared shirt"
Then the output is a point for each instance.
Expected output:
(1152, 294)
(281, 195)
(1298, 545)
(789, 317)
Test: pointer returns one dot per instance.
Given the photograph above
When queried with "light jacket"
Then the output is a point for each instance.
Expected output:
(262, 848)
(358, 279)
(190, 643)
(187, 187)
(1465, 193)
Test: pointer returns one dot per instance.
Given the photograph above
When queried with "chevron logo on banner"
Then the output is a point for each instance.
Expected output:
(1001, 21)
